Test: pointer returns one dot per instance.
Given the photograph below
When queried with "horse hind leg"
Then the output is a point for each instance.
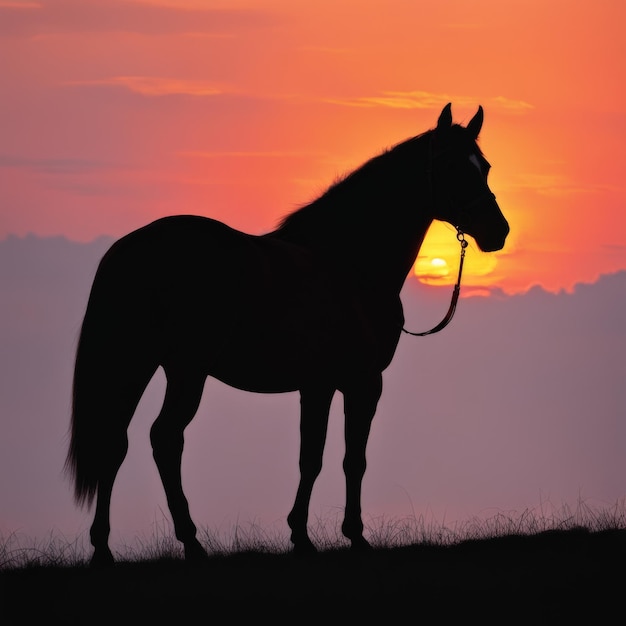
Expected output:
(101, 528)
(182, 398)
(114, 412)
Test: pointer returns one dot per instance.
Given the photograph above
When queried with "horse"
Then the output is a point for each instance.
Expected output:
(311, 307)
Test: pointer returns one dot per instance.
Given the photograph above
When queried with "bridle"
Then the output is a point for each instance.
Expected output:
(460, 235)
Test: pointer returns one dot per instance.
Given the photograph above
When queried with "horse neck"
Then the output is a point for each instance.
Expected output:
(385, 260)
(379, 249)
(372, 224)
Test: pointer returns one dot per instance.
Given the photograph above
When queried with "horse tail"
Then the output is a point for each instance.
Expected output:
(110, 375)
(81, 462)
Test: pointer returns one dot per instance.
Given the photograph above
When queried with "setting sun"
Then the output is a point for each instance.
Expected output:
(439, 258)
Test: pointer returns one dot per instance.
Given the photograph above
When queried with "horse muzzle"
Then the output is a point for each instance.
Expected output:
(494, 239)
(491, 231)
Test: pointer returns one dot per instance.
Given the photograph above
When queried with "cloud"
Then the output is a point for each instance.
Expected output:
(182, 5)
(512, 105)
(156, 86)
(552, 185)
(464, 26)
(427, 100)
(327, 49)
(17, 4)
(52, 165)
(101, 16)
(267, 154)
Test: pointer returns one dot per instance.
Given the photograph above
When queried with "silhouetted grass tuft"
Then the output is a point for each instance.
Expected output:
(541, 566)
(56, 550)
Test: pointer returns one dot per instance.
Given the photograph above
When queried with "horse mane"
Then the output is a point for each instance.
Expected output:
(352, 192)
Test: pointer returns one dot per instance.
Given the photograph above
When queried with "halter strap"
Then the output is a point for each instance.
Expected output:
(455, 294)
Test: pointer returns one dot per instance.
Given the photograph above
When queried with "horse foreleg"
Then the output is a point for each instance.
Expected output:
(182, 398)
(314, 409)
(359, 406)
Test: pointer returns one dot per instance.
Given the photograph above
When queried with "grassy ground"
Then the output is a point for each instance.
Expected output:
(524, 569)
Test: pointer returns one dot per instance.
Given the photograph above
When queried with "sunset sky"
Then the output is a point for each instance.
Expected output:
(116, 112)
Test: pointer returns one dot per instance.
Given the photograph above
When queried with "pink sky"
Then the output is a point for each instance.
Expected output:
(116, 112)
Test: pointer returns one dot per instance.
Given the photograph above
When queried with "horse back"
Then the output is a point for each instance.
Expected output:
(254, 311)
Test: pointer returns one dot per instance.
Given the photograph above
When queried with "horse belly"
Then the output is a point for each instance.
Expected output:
(274, 337)
(257, 359)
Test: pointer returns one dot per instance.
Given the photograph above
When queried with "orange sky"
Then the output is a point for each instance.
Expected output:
(113, 113)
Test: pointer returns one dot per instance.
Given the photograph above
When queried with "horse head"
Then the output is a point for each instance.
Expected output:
(460, 192)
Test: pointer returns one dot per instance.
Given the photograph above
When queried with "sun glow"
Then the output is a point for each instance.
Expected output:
(439, 258)
(428, 267)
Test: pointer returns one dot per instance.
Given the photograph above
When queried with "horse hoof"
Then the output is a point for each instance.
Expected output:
(304, 549)
(195, 553)
(360, 545)
(101, 559)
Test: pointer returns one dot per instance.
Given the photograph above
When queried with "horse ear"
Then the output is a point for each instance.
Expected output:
(476, 123)
(445, 119)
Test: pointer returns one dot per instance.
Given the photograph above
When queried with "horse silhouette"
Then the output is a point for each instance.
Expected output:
(313, 306)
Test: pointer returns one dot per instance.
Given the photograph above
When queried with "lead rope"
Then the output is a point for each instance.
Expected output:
(455, 294)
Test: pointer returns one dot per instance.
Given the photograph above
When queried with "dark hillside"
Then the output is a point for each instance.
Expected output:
(547, 578)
